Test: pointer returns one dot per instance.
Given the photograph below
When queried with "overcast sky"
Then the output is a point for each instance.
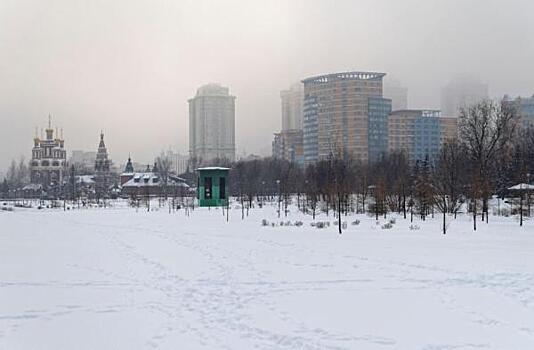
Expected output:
(128, 67)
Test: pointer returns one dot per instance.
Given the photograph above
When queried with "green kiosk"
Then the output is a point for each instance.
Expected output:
(212, 188)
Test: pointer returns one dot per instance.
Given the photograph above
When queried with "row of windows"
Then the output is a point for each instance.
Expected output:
(46, 163)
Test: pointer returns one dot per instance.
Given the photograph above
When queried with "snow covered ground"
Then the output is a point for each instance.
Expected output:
(119, 279)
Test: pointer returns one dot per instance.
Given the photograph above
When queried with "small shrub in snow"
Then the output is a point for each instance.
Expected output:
(264, 222)
(392, 221)
(312, 224)
(344, 225)
(414, 227)
(288, 223)
(320, 225)
(387, 226)
(298, 223)
(355, 222)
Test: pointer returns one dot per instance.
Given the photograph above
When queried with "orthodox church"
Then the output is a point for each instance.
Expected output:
(49, 159)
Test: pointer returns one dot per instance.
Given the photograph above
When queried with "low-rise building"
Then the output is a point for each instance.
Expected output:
(149, 183)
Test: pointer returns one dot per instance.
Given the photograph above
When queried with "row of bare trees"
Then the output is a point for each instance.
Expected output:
(492, 153)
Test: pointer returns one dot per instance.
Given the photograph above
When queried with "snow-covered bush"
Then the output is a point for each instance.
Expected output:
(414, 227)
(356, 222)
(387, 226)
(264, 222)
(392, 221)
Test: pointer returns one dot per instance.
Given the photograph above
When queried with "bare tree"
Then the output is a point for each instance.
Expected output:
(485, 129)
(164, 166)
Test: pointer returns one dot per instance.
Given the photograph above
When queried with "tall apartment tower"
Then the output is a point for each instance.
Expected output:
(460, 92)
(212, 124)
(292, 103)
(397, 93)
(337, 118)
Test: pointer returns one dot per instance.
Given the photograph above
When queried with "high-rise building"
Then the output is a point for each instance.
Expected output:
(336, 114)
(212, 124)
(49, 159)
(462, 92)
(420, 133)
(377, 134)
(292, 104)
(525, 107)
(103, 177)
(287, 145)
(397, 93)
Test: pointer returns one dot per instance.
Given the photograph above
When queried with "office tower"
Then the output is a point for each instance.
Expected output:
(212, 124)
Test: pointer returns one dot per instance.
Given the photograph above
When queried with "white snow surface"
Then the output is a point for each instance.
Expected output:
(115, 278)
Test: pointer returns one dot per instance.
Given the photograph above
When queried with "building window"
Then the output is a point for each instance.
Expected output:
(207, 188)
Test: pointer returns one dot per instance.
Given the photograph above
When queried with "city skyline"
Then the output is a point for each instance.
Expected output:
(128, 68)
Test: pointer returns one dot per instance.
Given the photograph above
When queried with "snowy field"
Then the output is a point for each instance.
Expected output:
(119, 279)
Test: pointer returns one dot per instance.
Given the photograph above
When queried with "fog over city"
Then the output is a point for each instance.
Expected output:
(129, 67)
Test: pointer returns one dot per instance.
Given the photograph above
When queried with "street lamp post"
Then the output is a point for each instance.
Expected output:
(528, 193)
(262, 193)
(278, 185)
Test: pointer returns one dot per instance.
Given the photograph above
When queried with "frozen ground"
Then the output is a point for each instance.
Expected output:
(117, 279)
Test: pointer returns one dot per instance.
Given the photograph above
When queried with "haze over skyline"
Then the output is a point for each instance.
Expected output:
(129, 67)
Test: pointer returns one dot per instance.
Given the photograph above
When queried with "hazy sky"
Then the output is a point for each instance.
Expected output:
(128, 67)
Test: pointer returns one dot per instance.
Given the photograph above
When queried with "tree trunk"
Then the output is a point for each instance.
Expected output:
(339, 211)
(444, 215)
(475, 215)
